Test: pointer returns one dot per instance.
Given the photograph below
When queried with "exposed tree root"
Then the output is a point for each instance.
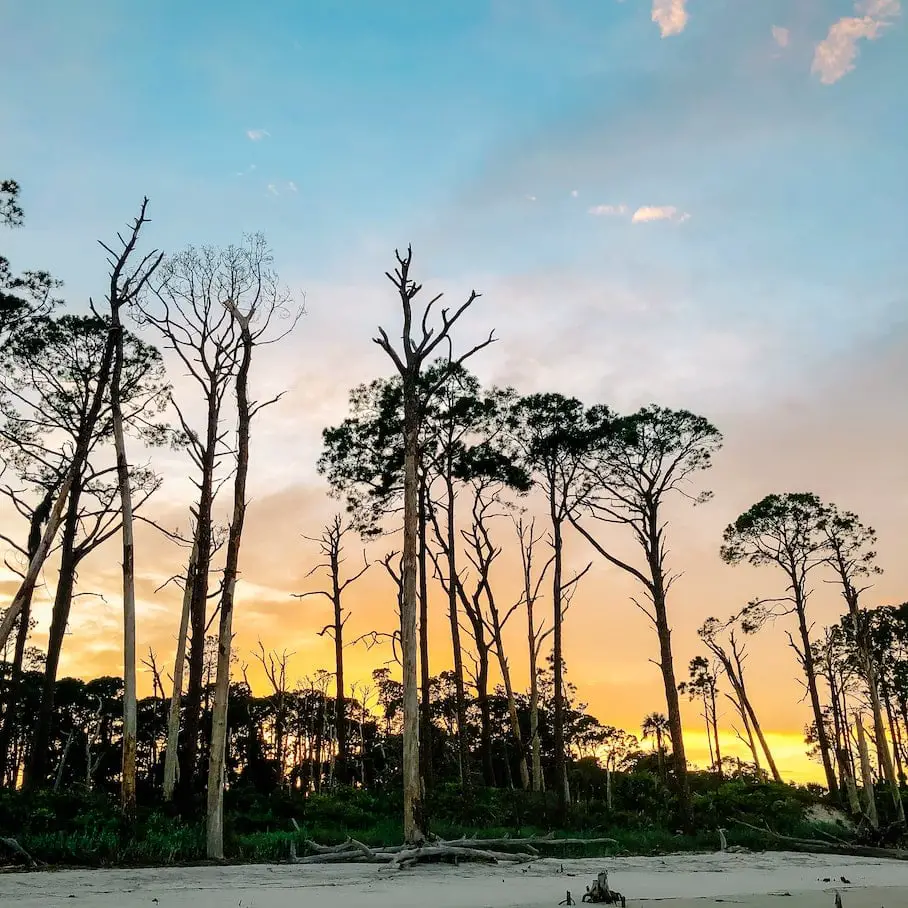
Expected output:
(600, 893)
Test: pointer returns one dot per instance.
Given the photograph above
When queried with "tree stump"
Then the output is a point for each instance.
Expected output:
(599, 892)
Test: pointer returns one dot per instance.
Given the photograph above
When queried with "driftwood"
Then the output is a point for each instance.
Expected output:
(455, 850)
(599, 892)
(455, 854)
(819, 846)
(18, 851)
(531, 842)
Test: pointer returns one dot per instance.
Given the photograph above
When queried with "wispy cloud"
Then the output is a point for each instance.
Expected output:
(836, 54)
(609, 210)
(782, 36)
(648, 213)
(279, 188)
(671, 16)
(248, 170)
(574, 193)
(257, 134)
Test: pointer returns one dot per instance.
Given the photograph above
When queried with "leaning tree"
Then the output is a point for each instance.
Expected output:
(642, 463)
(785, 531)
(49, 380)
(722, 640)
(852, 556)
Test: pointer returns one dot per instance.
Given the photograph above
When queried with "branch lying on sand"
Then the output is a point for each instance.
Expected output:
(397, 856)
(818, 846)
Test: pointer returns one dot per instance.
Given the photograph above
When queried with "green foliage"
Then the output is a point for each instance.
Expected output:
(76, 827)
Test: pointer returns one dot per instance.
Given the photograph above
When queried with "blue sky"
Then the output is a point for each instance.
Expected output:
(702, 202)
(438, 122)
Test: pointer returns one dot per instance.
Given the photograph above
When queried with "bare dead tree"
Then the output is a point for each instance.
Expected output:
(274, 665)
(331, 547)
(185, 307)
(732, 656)
(482, 553)
(252, 296)
(125, 288)
(419, 342)
(536, 632)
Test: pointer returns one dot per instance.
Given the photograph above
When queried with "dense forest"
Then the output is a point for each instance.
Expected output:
(434, 476)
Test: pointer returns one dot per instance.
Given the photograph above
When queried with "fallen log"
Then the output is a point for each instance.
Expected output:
(455, 853)
(315, 848)
(533, 841)
(354, 856)
(818, 846)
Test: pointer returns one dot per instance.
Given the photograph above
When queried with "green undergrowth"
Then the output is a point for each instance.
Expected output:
(88, 829)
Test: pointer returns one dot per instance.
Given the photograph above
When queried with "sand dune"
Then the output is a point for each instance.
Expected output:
(772, 880)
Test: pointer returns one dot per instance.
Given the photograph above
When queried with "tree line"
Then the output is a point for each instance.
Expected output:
(438, 475)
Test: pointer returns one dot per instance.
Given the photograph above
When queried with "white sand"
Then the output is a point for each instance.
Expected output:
(759, 880)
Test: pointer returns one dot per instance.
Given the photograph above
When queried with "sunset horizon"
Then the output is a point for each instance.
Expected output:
(693, 205)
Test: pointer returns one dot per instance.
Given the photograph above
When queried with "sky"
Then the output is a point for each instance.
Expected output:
(700, 203)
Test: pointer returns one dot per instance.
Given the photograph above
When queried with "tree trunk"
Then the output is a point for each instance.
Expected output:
(340, 713)
(171, 755)
(218, 751)
(873, 689)
(672, 702)
(811, 675)
(866, 773)
(15, 679)
(39, 516)
(414, 831)
(485, 714)
(198, 614)
(37, 772)
(896, 739)
(425, 715)
(776, 775)
(73, 473)
(463, 747)
(512, 711)
(715, 721)
(558, 667)
(130, 707)
(535, 748)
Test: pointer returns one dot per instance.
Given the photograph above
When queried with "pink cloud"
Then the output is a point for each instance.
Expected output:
(670, 16)
(836, 54)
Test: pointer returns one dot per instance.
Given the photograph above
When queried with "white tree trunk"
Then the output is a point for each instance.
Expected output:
(130, 720)
(414, 833)
(171, 755)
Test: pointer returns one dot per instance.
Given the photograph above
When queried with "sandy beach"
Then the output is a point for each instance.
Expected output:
(754, 880)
